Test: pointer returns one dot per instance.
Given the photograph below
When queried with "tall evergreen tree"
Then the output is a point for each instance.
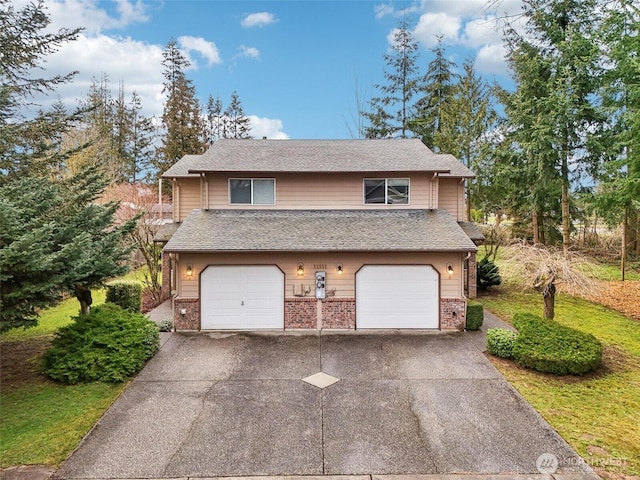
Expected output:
(465, 122)
(390, 114)
(560, 35)
(26, 144)
(54, 237)
(619, 198)
(236, 125)
(436, 87)
(183, 124)
(215, 119)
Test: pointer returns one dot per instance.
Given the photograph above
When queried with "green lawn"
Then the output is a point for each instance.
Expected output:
(41, 422)
(597, 414)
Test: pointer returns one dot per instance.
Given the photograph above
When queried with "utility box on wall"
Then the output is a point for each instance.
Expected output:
(320, 285)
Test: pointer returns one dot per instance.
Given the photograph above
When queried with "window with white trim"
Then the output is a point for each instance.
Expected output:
(389, 191)
(252, 191)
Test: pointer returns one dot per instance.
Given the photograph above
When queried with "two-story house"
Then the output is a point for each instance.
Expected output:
(319, 234)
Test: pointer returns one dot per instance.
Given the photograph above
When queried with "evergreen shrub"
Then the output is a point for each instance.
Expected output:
(109, 344)
(546, 346)
(475, 316)
(500, 342)
(127, 295)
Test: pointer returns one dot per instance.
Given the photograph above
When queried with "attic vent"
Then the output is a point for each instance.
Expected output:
(264, 138)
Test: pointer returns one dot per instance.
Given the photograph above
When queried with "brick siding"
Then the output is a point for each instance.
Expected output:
(165, 292)
(472, 273)
(191, 319)
(339, 313)
(300, 313)
(453, 313)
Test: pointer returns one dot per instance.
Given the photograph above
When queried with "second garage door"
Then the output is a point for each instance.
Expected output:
(242, 297)
(397, 296)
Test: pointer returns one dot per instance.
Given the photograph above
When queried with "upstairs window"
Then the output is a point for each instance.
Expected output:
(389, 191)
(252, 191)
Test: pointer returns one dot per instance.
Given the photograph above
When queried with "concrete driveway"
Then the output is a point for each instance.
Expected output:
(235, 405)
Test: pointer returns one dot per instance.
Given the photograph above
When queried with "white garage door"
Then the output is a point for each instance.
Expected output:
(242, 297)
(397, 296)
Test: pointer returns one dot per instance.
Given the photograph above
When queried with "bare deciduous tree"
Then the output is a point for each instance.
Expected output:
(546, 269)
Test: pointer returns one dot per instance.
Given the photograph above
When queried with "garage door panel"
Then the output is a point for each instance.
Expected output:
(242, 297)
(397, 296)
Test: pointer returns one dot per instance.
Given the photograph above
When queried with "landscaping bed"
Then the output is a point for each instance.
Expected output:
(596, 413)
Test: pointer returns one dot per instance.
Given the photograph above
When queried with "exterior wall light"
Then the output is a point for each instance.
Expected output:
(339, 269)
(300, 269)
(189, 271)
(450, 269)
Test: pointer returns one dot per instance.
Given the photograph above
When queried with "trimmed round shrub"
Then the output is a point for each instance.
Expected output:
(500, 342)
(109, 344)
(546, 346)
(127, 295)
(165, 325)
(475, 316)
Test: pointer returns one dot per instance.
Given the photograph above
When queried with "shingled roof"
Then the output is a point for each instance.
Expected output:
(319, 231)
(399, 155)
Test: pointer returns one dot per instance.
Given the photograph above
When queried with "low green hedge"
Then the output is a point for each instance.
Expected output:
(546, 346)
(500, 342)
(109, 344)
(127, 295)
(475, 316)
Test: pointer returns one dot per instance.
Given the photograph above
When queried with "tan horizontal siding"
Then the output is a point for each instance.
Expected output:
(320, 191)
(448, 198)
(344, 284)
(189, 191)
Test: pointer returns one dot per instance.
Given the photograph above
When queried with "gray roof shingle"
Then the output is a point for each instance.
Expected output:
(399, 155)
(182, 166)
(319, 230)
(472, 231)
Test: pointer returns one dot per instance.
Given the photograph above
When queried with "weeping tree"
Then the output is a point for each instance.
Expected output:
(547, 269)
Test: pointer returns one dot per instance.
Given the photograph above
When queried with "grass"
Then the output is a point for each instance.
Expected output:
(41, 422)
(596, 414)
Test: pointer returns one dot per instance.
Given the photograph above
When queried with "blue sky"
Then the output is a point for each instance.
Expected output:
(295, 64)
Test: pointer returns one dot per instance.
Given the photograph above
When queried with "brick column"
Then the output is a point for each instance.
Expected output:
(453, 313)
(190, 319)
(472, 277)
(165, 292)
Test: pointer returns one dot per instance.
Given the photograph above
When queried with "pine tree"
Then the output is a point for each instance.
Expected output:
(25, 41)
(237, 125)
(215, 119)
(391, 113)
(437, 88)
(466, 119)
(561, 35)
(619, 198)
(183, 125)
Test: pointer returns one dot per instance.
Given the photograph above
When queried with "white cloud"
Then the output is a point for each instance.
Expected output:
(204, 47)
(137, 64)
(481, 31)
(383, 9)
(258, 19)
(250, 52)
(432, 25)
(267, 127)
(94, 19)
(490, 60)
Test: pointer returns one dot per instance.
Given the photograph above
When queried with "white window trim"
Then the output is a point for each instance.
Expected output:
(386, 187)
(251, 179)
